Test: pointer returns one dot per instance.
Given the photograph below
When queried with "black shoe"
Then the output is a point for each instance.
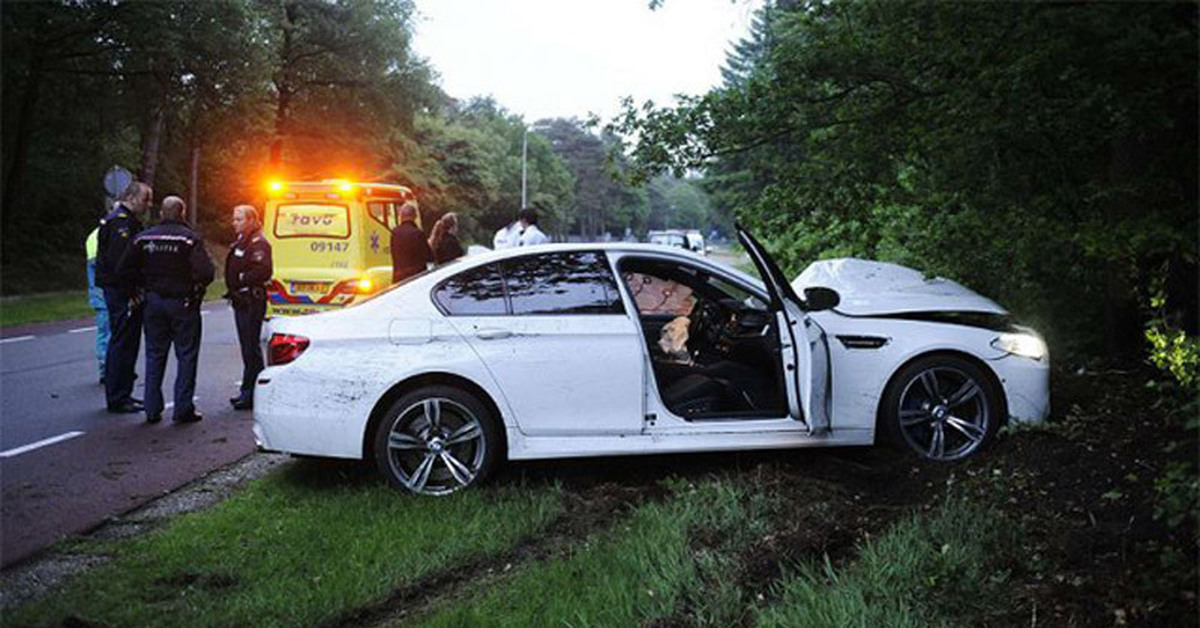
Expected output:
(188, 418)
(128, 407)
(243, 403)
(153, 418)
(101, 380)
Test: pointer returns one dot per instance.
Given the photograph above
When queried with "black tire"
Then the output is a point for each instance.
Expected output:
(441, 455)
(941, 395)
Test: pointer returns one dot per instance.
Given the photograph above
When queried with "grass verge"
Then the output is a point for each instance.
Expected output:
(63, 306)
(301, 546)
(940, 569)
(38, 308)
(643, 569)
(680, 562)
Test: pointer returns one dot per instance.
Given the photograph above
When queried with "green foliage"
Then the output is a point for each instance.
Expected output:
(1044, 155)
(1175, 352)
(253, 89)
(1178, 493)
(467, 159)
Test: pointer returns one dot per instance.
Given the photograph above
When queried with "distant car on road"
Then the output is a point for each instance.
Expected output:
(690, 239)
(598, 349)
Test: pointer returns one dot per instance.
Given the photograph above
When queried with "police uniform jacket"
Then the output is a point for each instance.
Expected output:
(117, 230)
(169, 260)
(248, 267)
(410, 251)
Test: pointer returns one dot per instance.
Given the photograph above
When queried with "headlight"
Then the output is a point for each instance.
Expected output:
(1024, 342)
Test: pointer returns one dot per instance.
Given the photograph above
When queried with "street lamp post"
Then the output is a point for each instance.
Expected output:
(524, 167)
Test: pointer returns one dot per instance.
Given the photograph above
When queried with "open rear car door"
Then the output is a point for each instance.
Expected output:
(803, 347)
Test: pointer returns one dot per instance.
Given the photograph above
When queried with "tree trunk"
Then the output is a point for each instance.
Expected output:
(281, 124)
(283, 86)
(151, 138)
(193, 213)
(20, 153)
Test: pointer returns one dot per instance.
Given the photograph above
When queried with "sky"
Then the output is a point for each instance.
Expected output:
(569, 58)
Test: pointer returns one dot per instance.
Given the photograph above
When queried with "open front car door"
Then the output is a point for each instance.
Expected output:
(803, 346)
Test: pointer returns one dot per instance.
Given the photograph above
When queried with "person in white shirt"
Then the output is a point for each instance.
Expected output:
(506, 236)
(529, 233)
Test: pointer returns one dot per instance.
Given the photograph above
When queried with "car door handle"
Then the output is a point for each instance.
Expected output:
(492, 333)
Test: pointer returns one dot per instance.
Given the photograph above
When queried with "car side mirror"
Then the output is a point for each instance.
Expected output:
(817, 299)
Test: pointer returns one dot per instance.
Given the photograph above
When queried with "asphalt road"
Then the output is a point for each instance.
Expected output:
(66, 464)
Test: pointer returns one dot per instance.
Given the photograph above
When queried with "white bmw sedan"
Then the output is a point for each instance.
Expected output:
(612, 349)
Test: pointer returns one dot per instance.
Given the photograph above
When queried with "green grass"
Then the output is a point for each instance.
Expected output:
(299, 547)
(645, 567)
(938, 569)
(60, 306)
(37, 308)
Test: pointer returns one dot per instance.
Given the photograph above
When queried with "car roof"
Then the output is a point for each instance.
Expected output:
(612, 247)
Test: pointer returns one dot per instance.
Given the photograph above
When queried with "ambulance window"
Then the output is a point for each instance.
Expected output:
(302, 220)
(383, 213)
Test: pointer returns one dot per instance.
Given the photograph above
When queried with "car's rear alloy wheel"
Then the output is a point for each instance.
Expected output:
(942, 408)
(435, 441)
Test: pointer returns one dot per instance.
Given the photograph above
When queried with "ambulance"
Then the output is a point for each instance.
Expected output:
(329, 242)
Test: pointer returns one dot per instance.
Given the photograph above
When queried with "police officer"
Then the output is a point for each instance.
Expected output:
(117, 230)
(96, 299)
(247, 270)
(169, 262)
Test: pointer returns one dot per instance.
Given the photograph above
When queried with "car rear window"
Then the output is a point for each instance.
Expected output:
(311, 220)
(474, 292)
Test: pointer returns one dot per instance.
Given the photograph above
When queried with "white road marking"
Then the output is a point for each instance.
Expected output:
(204, 312)
(41, 443)
(82, 329)
(15, 339)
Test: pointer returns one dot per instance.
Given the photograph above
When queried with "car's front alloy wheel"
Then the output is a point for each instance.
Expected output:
(435, 441)
(942, 408)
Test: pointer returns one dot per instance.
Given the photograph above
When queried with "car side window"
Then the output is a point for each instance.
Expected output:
(562, 283)
(476, 291)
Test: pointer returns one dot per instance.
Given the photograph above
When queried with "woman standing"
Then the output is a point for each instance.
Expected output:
(247, 271)
(443, 240)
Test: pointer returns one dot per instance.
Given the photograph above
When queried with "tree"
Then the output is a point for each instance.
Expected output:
(343, 79)
(1044, 154)
(467, 159)
(604, 203)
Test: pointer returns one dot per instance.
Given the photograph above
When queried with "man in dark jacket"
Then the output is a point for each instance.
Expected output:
(117, 230)
(247, 271)
(410, 250)
(169, 263)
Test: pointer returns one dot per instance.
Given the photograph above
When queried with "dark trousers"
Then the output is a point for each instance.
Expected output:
(125, 325)
(171, 321)
(248, 316)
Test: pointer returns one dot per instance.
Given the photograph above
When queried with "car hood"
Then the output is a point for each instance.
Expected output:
(869, 288)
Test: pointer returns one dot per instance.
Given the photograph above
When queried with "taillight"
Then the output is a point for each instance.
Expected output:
(284, 348)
